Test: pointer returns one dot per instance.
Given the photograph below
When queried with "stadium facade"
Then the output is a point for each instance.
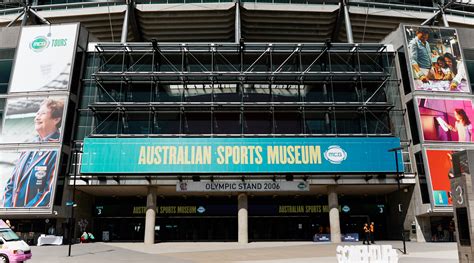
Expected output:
(239, 121)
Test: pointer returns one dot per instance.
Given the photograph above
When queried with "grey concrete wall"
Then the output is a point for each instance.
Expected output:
(466, 38)
(9, 37)
(393, 216)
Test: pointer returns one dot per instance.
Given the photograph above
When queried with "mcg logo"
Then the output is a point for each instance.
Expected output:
(335, 154)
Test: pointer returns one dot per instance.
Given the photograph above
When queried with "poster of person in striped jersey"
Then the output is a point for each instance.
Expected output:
(27, 178)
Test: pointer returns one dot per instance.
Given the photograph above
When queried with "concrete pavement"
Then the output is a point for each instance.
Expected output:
(258, 252)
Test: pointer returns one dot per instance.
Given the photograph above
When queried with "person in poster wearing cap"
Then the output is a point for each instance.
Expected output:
(31, 183)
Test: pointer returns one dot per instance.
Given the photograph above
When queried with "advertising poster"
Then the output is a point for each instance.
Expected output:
(441, 169)
(44, 58)
(436, 60)
(239, 155)
(27, 178)
(446, 120)
(33, 120)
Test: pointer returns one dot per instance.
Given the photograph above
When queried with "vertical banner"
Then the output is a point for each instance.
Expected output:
(44, 58)
(440, 170)
(446, 120)
(42, 69)
(28, 178)
(436, 59)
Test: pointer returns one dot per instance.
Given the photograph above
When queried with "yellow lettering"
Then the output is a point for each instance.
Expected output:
(142, 157)
(258, 151)
(172, 154)
(290, 150)
(220, 155)
(297, 154)
(207, 155)
(315, 155)
(157, 159)
(272, 155)
(165, 154)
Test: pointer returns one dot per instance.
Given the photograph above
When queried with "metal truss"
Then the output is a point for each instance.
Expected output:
(227, 68)
(240, 63)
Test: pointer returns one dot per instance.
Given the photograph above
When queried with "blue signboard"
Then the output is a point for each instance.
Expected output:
(350, 237)
(239, 155)
(322, 238)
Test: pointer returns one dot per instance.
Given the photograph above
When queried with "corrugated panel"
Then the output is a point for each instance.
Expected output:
(188, 26)
(288, 26)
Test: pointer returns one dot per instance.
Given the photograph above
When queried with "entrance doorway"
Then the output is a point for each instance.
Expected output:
(271, 228)
(196, 229)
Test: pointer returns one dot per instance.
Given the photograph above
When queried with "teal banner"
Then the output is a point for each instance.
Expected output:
(239, 155)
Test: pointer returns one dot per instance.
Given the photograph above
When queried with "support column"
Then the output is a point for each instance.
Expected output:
(334, 214)
(347, 20)
(123, 38)
(243, 218)
(150, 216)
(238, 32)
(445, 19)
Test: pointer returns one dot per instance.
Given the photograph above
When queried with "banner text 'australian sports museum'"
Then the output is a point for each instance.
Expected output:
(239, 155)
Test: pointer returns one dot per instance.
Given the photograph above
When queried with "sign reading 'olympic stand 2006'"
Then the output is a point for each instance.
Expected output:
(239, 155)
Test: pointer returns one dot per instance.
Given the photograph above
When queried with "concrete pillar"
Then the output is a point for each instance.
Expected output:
(243, 218)
(123, 38)
(347, 20)
(238, 32)
(334, 214)
(150, 216)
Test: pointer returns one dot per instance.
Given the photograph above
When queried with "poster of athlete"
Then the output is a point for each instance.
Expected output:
(28, 178)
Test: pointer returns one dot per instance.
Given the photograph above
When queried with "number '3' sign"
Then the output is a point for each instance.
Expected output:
(459, 195)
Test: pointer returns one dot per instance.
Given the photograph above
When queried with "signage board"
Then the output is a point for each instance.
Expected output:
(239, 155)
(45, 55)
(436, 60)
(239, 186)
(28, 179)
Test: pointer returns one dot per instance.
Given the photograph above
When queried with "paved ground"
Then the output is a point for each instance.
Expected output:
(260, 252)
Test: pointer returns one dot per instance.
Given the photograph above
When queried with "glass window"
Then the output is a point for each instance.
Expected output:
(257, 93)
(257, 122)
(168, 93)
(318, 122)
(6, 64)
(166, 123)
(8, 235)
(136, 123)
(404, 70)
(2, 112)
(84, 127)
(343, 62)
(349, 122)
(197, 123)
(227, 123)
(377, 122)
(347, 92)
(107, 123)
(285, 93)
(139, 62)
(227, 93)
(370, 90)
(198, 93)
(138, 92)
(111, 93)
(413, 125)
(420, 166)
(317, 92)
(287, 122)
